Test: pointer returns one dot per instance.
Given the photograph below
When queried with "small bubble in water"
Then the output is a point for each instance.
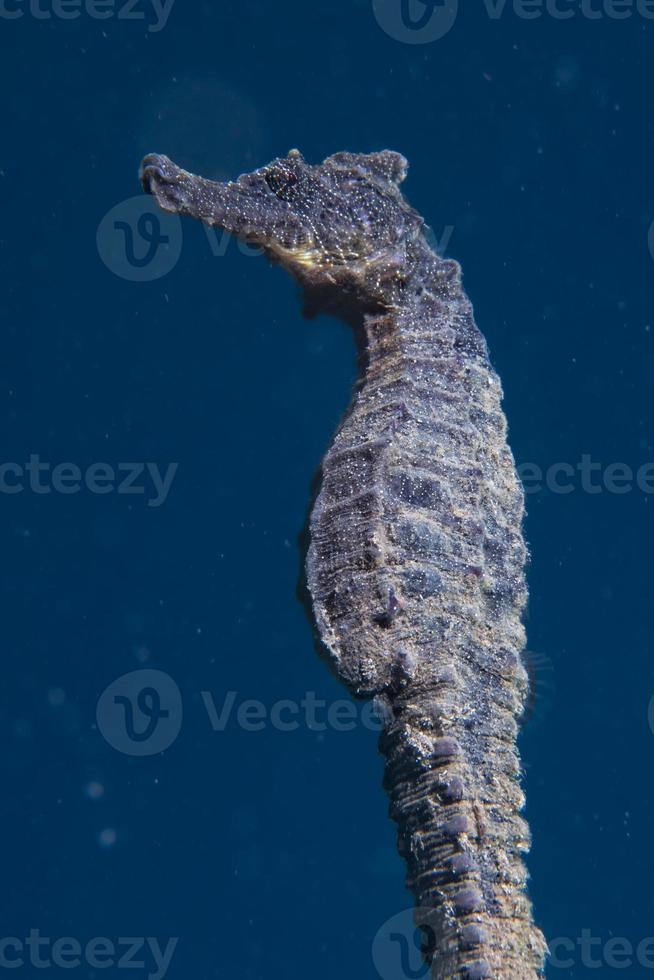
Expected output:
(56, 697)
(94, 790)
(107, 837)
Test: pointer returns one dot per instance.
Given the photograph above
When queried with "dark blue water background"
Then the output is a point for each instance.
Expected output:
(269, 853)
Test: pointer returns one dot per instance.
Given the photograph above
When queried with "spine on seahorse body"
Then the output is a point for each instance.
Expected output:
(416, 569)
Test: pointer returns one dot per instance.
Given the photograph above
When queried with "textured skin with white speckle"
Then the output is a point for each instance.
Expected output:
(416, 562)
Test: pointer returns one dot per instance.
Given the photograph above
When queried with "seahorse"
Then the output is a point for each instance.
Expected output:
(416, 562)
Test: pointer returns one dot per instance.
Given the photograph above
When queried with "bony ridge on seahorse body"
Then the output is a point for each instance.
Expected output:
(416, 561)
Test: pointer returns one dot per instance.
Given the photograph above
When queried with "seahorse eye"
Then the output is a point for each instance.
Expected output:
(281, 182)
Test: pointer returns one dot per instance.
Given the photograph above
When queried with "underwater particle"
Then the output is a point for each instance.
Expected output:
(94, 790)
(107, 838)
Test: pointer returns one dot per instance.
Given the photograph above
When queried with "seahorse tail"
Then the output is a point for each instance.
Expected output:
(462, 837)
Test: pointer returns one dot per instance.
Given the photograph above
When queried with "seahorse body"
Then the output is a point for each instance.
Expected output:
(416, 562)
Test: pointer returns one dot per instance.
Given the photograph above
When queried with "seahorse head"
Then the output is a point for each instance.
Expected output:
(340, 226)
